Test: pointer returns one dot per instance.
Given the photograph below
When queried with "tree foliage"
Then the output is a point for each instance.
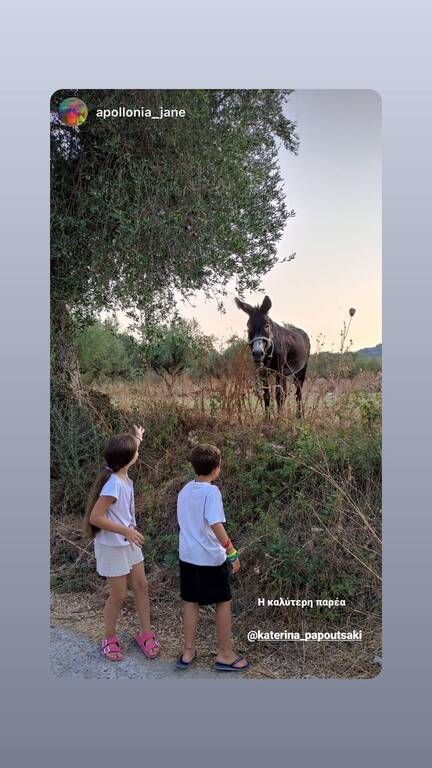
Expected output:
(105, 352)
(143, 208)
(171, 349)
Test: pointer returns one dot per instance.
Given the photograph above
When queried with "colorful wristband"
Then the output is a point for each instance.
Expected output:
(232, 556)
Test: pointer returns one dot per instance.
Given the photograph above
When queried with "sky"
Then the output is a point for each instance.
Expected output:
(334, 186)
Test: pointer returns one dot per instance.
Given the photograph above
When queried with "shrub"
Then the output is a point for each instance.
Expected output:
(103, 352)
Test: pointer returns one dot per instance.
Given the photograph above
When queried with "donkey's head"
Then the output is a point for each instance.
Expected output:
(259, 328)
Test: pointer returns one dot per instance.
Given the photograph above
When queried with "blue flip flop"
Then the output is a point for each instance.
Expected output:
(220, 667)
(180, 664)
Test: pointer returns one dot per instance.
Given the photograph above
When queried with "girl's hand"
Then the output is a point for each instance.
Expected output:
(134, 537)
(138, 431)
(235, 565)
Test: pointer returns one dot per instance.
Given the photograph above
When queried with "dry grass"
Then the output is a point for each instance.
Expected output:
(234, 395)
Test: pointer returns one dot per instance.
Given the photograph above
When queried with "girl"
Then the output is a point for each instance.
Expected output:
(110, 518)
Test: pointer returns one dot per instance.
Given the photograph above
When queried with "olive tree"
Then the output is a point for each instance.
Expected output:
(143, 209)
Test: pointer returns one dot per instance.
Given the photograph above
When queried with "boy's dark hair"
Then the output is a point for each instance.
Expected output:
(205, 458)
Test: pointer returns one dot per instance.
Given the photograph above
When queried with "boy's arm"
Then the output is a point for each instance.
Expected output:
(222, 536)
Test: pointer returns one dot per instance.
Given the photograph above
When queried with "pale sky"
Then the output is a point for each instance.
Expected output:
(334, 186)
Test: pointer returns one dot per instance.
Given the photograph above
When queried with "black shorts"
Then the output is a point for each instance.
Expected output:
(204, 584)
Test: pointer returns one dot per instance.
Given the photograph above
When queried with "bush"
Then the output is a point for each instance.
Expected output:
(346, 365)
(174, 348)
(79, 432)
(103, 352)
(81, 578)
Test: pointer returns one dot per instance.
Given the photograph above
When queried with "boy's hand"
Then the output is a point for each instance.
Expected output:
(138, 431)
(235, 565)
(134, 537)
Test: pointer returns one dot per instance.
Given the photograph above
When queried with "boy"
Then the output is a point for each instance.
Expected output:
(204, 549)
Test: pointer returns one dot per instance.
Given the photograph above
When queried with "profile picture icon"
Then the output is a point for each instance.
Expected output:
(73, 112)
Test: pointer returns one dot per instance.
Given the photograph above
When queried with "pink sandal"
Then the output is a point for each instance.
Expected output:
(147, 642)
(111, 645)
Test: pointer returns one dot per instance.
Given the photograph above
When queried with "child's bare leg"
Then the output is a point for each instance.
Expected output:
(114, 602)
(140, 590)
(190, 623)
(223, 632)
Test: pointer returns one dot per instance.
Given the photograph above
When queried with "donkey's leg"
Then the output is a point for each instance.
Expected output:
(266, 392)
(299, 381)
(281, 390)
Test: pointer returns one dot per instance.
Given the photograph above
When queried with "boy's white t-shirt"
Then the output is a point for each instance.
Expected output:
(199, 505)
(120, 511)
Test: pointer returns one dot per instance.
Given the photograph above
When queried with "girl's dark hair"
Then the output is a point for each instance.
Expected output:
(205, 458)
(118, 452)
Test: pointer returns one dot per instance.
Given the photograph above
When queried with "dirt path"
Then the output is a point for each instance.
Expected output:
(75, 656)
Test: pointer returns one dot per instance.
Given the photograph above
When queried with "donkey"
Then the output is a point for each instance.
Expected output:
(276, 349)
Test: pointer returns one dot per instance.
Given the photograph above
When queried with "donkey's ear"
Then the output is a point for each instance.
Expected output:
(243, 305)
(266, 305)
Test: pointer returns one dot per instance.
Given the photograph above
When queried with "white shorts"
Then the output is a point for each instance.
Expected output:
(116, 561)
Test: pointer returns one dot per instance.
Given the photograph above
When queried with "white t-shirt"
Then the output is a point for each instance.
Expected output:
(121, 511)
(199, 505)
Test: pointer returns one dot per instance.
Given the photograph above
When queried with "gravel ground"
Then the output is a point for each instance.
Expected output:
(75, 656)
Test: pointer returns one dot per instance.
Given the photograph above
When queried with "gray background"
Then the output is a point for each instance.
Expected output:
(51, 722)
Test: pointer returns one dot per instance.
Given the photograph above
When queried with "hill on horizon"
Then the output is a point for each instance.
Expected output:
(375, 351)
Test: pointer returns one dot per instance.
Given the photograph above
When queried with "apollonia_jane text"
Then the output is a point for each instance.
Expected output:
(140, 112)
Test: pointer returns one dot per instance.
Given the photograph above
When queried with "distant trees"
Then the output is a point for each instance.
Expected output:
(347, 365)
(171, 349)
(105, 352)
